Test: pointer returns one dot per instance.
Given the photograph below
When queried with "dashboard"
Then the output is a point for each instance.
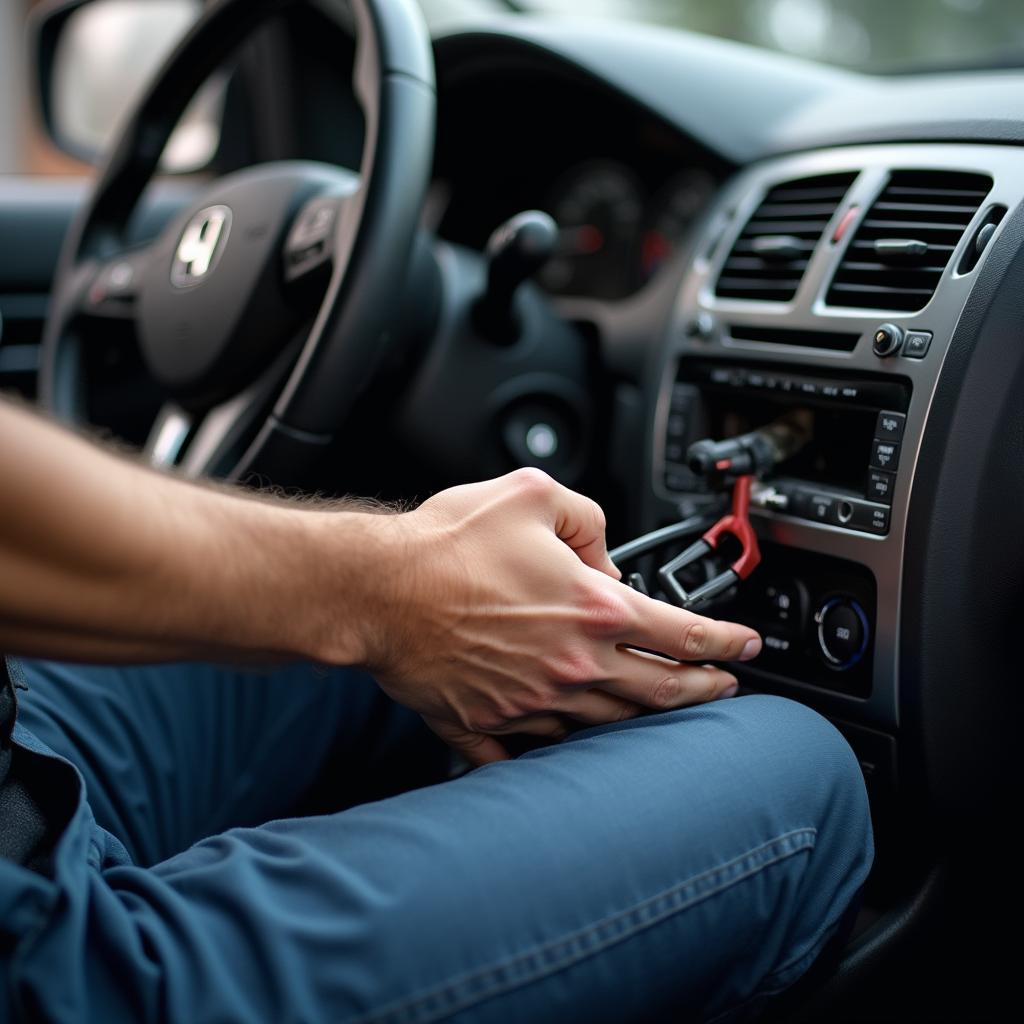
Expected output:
(746, 237)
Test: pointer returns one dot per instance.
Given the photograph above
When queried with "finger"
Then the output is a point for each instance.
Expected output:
(580, 523)
(596, 707)
(548, 726)
(686, 636)
(476, 747)
(662, 685)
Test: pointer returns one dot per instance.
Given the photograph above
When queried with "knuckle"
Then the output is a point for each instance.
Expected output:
(706, 688)
(604, 612)
(486, 721)
(532, 481)
(666, 693)
(539, 703)
(573, 668)
(625, 711)
(599, 517)
(694, 639)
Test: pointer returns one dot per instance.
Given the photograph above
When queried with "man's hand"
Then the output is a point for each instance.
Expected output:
(501, 612)
(492, 608)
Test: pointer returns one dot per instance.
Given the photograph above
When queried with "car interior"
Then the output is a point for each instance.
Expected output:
(649, 261)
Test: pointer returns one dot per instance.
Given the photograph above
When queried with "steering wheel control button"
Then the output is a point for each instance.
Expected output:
(887, 340)
(890, 426)
(880, 486)
(916, 345)
(885, 455)
(842, 632)
(310, 241)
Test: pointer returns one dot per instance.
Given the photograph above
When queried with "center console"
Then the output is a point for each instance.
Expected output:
(826, 285)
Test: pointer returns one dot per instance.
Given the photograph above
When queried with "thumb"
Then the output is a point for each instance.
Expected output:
(476, 747)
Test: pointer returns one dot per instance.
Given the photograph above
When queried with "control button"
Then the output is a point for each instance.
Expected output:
(879, 520)
(782, 604)
(885, 455)
(916, 345)
(870, 518)
(675, 451)
(890, 426)
(680, 478)
(880, 486)
(682, 396)
(842, 632)
(887, 340)
(676, 425)
(776, 643)
(701, 327)
(820, 507)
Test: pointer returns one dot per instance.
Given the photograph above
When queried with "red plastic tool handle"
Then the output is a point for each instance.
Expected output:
(737, 524)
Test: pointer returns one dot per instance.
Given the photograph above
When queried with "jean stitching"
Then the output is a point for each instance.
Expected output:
(564, 952)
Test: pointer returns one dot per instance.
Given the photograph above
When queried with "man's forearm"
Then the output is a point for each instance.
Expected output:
(104, 559)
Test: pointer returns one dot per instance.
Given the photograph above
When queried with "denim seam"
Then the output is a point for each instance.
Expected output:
(559, 954)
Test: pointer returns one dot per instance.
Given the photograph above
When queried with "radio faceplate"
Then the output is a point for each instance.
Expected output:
(844, 476)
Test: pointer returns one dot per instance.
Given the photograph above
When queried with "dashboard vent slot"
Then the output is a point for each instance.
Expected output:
(834, 341)
(770, 256)
(898, 254)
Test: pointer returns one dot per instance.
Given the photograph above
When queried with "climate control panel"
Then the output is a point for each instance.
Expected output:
(816, 614)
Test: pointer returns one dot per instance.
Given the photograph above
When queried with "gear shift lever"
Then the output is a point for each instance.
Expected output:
(515, 251)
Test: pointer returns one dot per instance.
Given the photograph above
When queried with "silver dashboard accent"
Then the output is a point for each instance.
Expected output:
(696, 302)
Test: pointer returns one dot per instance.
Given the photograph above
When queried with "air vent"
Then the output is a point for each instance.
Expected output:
(770, 256)
(906, 240)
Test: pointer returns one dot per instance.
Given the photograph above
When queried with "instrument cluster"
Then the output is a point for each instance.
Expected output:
(615, 232)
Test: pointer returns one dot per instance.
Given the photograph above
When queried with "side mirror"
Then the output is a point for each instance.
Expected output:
(95, 57)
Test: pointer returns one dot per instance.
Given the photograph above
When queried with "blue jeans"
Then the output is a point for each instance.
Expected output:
(684, 866)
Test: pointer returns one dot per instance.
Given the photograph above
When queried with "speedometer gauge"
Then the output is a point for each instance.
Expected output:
(598, 208)
(671, 215)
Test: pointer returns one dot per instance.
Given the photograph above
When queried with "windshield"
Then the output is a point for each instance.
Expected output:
(868, 35)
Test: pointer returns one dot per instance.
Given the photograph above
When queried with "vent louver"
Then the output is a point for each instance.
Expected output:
(905, 242)
(770, 256)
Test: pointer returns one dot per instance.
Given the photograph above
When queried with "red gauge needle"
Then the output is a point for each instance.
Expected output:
(654, 250)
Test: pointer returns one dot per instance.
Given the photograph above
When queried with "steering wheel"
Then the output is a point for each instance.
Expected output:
(216, 299)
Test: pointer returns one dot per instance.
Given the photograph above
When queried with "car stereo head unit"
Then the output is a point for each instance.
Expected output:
(844, 472)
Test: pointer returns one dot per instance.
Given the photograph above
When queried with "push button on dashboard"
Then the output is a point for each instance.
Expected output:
(885, 455)
(916, 345)
(880, 486)
(890, 426)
